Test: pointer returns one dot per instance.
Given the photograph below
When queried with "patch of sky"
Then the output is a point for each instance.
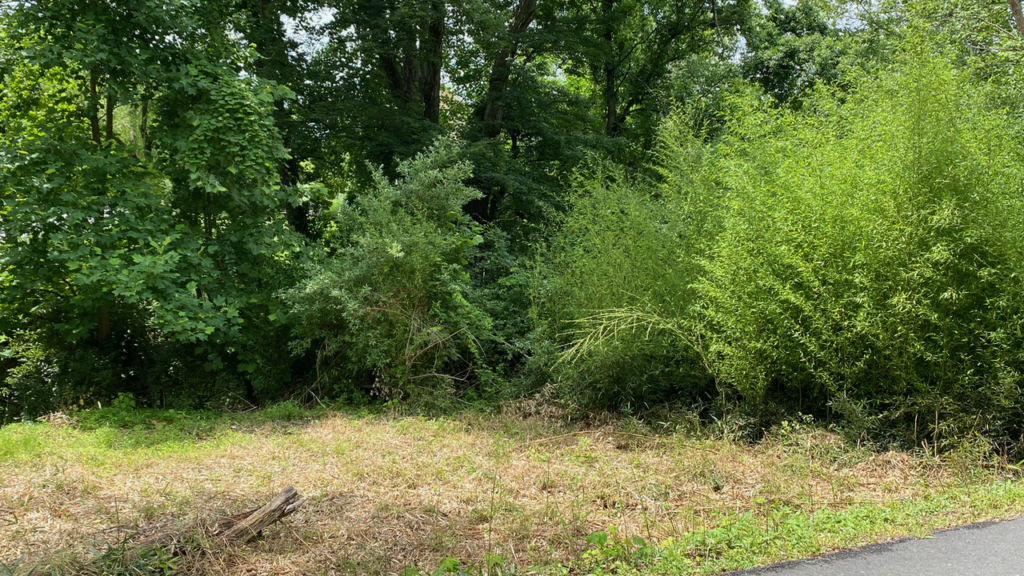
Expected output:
(308, 29)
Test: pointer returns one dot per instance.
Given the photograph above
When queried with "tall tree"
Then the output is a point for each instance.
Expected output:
(790, 49)
(404, 41)
(626, 48)
(373, 92)
(137, 170)
(281, 61)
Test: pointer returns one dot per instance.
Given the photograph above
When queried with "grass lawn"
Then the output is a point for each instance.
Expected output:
(393, 494)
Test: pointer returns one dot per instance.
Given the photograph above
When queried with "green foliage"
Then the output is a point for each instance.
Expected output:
(774, 532)
(621, 52)
(284, 412)
(159, 168)
(855, 260)
(614, 552)
(826, 223)
(141, 200)
(867, 258)
(121, 560)
(612, 273)
(390, 308)
(116, 560)
(793, 48)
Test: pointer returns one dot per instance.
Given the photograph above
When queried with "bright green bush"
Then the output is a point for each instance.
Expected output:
(388, 309)
(869, 261)
(859, 260)
(612, 289)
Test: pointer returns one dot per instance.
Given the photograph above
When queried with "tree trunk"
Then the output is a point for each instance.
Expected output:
(497, 84)
(94, 105)
(611, 103)
(282, 505)
(392, 71)
(298, 216)
(1018, 15)
(415, 78)
(144, 128)
(433, 54)
(103, 312)
(108, 140)
(611, 88)
(268, 34)
(103, 324)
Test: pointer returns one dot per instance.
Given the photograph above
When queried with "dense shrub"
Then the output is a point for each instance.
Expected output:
(870, 254)
(388, 309)
(612, 289)
(859, 260)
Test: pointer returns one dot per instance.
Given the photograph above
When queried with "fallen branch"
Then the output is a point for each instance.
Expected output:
(284, 504)
(240, 527)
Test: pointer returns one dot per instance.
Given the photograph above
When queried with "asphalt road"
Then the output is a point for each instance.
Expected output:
(986, 549)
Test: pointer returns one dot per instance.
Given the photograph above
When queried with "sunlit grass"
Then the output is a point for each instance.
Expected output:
(392, 492)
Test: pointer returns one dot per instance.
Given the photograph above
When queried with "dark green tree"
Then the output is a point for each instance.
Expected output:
(138, 178)
(790, 49)
(624, 49)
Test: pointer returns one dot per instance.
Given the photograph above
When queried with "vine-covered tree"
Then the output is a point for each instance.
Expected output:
(138, 177)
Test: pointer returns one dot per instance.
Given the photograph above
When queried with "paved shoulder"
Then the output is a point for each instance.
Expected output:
(986, 549)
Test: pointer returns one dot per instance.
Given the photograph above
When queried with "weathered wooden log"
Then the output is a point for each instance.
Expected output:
(242, 527)
(285, 503)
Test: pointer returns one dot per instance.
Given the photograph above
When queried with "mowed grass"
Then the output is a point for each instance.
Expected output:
(390, 493)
